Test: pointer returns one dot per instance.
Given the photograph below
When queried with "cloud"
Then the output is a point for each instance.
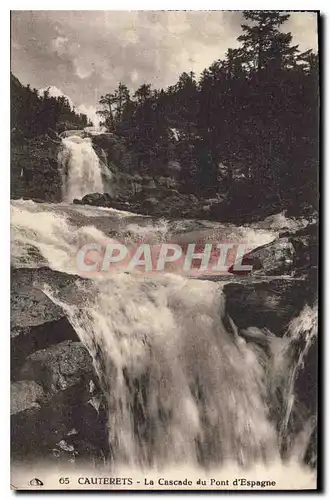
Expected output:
(72, 51)
(60, 45)
(90, 111)
(86, 53)
(55, 92)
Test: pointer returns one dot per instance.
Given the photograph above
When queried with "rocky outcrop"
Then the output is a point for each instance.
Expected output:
(305, 242)
(29, 305)
(274, 259)
(25, 395)
(103, 200)
(155, 201)
(54, 385)
(34, 169)
(26, 340)
(59, 367)
(267, 303)
(36, 322)
(41, 425)
(292, 254)
(95, 199)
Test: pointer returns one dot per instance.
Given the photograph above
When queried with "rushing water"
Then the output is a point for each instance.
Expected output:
(180, 383)
(80, 168)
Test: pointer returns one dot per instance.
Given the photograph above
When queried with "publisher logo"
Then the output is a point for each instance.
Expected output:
(36, 482)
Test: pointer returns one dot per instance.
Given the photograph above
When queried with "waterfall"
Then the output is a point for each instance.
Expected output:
(80, 168)
(179, 384)
(177, 387)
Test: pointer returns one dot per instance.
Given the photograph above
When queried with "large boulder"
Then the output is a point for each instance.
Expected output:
(36, 322)
(95, 199)
(59, 367)
(268, 303)
(24, 395)
(273, 259)
(44, 423)
(56, 402)
(54, 396)
(26, 340)
(306, 244)
(103, 200)
(30, 306)
(290, 254)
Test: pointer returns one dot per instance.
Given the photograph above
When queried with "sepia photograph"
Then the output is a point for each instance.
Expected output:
(164, 218)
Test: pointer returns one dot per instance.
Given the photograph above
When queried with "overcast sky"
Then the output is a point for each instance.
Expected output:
(84, 54)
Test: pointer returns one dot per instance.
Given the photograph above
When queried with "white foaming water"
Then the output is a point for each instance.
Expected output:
(179, 386)
(55, 240)
(47, 229)
(80, 168)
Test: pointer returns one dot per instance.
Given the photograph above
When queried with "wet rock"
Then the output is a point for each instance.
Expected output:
(26, 340)
(306, 245)
(97, 199)
(306, 381)
(36, 322)
(267, 304)
(303, 332)
(122, 205)
(24, 395)
(290, 254)
(29, 305)
(69, 133)
(53, 370)
(59, 367)
(104, 200)
(149, 205)
(35, 431)
(274, 259)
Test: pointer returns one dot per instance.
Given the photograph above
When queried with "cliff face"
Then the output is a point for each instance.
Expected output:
(34, 169)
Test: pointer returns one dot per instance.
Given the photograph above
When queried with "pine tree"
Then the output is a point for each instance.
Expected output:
(143, 93)
(108, 101)
(263, 41)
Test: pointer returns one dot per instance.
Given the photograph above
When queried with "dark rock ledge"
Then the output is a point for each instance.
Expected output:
(54, 385)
